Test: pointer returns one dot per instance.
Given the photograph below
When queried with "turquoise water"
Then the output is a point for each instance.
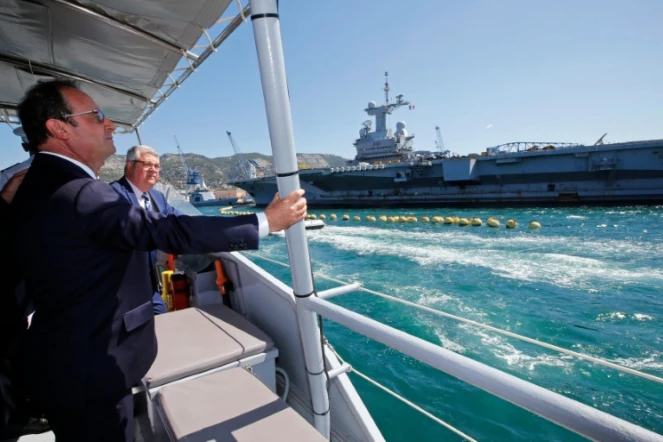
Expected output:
(590, 280)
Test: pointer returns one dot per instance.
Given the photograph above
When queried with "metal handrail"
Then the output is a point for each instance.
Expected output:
(568, 413)
(402, 399)
(593, 359)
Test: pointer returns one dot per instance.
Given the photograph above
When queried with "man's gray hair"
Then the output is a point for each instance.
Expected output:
(136, 153)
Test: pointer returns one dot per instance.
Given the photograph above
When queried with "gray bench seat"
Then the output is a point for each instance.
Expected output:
(231, 405)
(196, 340)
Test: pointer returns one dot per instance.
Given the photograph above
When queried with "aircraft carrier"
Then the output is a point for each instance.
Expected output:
(388, 172)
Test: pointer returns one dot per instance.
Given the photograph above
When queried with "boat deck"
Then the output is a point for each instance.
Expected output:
(217, 383)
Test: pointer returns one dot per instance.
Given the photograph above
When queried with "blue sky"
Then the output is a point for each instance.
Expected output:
(487, 72)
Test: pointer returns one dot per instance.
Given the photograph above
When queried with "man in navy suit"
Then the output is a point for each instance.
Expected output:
(82, 254)
(141, 173)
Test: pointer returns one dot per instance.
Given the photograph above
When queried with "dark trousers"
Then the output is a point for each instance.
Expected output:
(101, 420)
(14, 411)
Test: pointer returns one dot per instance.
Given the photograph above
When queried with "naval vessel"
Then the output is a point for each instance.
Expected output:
(198, 193)
(388, 172)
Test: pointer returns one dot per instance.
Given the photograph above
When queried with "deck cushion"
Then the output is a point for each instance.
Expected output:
(231, 405)
(195, 340)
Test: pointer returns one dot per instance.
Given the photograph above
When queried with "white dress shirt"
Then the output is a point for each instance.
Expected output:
(263, 224)
(139, 195)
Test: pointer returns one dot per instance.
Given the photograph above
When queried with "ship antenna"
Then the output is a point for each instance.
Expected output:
(386, 88)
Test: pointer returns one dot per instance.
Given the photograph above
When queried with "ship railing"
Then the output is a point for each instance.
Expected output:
(568, 413)
(528, 146)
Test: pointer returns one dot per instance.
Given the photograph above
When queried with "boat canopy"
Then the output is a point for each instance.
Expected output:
(128, 55)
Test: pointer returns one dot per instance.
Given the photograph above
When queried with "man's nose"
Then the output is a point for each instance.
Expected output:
(109, 125)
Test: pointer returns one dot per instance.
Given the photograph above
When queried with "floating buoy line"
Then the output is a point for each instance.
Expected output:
(234, 212)
(492, 221)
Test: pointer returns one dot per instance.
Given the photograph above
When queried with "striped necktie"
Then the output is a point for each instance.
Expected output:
(146, 202)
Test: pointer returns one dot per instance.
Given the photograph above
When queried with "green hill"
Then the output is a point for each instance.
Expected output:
(215, 171)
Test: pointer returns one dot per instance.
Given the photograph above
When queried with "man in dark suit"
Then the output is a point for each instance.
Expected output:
(141, 173)
(83, 249)
(16, 415)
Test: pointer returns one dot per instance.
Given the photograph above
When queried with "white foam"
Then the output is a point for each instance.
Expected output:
(619, 316)
(454, 236)
(502, 349)
(450, 304)
(614, 316)
(653, 361)
(449, 247)
(448, 343)
(436, 299)
(643, 317)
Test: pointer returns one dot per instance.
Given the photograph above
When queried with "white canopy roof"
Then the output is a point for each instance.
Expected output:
(129, 55)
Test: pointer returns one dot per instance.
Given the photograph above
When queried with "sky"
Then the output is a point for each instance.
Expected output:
(486, 72)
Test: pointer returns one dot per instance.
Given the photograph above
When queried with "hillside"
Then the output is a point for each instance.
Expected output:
(215, 171)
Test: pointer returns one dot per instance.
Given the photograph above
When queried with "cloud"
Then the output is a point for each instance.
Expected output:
(489, 126)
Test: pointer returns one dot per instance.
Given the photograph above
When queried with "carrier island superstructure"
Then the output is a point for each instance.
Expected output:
(387, 172)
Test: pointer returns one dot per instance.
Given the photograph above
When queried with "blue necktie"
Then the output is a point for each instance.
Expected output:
(146, 201)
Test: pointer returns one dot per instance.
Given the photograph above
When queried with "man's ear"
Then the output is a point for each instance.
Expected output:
(57, 129)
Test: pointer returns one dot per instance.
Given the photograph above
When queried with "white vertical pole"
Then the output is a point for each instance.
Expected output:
(267, 34)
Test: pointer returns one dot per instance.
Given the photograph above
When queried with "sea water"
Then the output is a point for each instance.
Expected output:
(589, 280)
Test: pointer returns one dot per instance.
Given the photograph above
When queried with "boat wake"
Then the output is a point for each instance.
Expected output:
(536, 259)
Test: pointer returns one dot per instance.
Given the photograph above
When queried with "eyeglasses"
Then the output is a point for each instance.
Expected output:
(100, 114)
(148, 165)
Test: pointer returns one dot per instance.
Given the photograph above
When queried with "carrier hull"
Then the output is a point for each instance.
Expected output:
(615, 174)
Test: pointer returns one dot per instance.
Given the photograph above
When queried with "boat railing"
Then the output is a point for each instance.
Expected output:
(568, 413)
(402, 399)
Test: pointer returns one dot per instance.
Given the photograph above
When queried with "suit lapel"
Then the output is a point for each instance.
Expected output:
(128, 191)
(157, 202)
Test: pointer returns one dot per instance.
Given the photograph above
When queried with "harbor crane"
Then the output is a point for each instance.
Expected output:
(185, 167)
(247, 167)
(440, 144)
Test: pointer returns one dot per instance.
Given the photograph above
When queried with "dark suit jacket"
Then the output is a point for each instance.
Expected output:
(83, 251)
(13, 326)
(125, 189)
(12, 319)
(161, 205)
